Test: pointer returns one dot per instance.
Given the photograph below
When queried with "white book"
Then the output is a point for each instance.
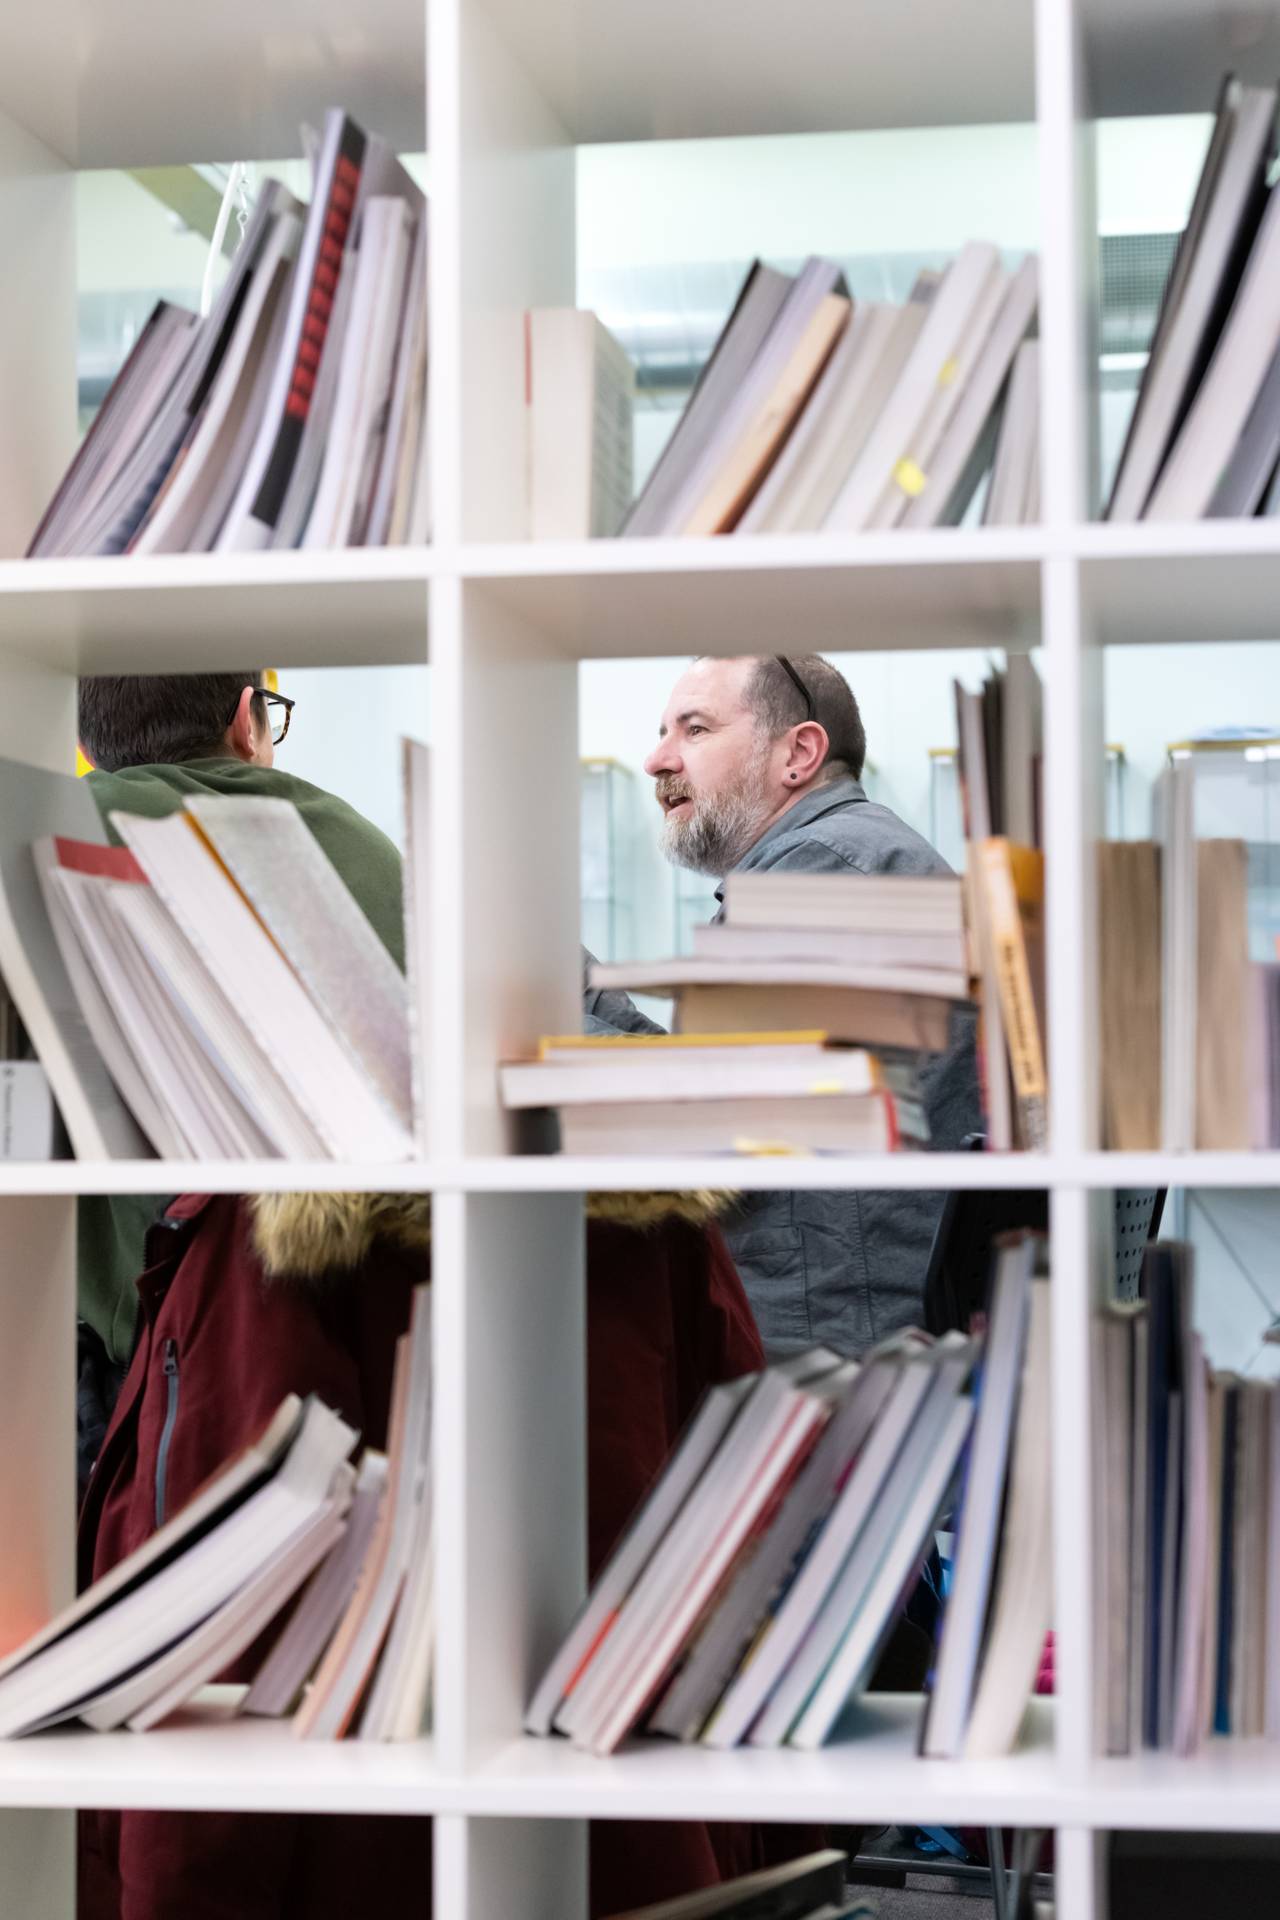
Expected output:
(580, 403)
(853, 903)
(85, 961)
(910, 476)
(978, 400)
(601, 1609)
(28, 1117)
(869, 1605)
(173, 519)
(965, 1616)
(1022, 1607)
(669, 976)
(153, 1599)
(1015, 461)
(198, 1060)
(313, 917)
(687, 1566)
(34, 803)
(661, 1075)
(344, 1673)
(725, 1638)
(295, 1038)
(1163, 394)
(389, 507)
(168, 1682)
(724, 941)
(837, 418)
(756, 1680)
(796, 1123)
(1220, 410)
(949, 315)
(312, 1625)
(364, 374)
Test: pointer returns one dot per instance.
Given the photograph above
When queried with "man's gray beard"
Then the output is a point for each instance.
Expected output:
(721, 828)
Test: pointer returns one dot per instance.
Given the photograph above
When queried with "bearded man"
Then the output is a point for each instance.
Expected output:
(759, 764)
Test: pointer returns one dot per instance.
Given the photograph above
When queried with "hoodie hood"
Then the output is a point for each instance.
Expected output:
(305, 1236)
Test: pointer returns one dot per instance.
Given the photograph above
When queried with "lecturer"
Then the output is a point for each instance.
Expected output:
(759, 764)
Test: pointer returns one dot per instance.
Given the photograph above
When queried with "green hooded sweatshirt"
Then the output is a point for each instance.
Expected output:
(111, 1231)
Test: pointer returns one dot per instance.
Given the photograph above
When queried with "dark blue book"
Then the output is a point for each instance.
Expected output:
(1226, 1559)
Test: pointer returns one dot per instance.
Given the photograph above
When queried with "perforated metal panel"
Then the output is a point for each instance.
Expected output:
(1133, 1224)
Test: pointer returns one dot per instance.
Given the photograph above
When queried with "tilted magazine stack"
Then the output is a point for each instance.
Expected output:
(749, 1599)
(289, 1516)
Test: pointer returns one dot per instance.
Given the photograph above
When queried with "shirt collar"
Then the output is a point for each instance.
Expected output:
(833, 794)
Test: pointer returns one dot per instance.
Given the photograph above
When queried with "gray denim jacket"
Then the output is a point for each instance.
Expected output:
(842, 1268)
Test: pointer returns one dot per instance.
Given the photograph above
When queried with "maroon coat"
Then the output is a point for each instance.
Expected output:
(307, 1293)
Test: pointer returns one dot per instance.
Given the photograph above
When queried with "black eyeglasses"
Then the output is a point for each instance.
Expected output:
(279, 712)
(799, 686)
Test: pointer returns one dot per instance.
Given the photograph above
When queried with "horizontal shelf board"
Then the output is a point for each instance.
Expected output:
(565, 1173)
(1208, 580)
(670, 71)
(352, 607)
(1168, 56)
(877, 1778)
(1232, 1786)
(34, 1178)
(120, 83)
(206, 1759)
(626, 598)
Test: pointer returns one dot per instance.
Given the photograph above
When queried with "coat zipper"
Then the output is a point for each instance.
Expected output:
(170, 1418)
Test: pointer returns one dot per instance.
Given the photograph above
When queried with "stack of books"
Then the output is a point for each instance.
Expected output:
(294, 413)
(289, 1516)
(818, 411)
(1204, 440)
(1000, 734)
(210, 989)
(1190, 1025)
(750, 1596)
(812, 1888)
(802, 1022)
(1188, 1490)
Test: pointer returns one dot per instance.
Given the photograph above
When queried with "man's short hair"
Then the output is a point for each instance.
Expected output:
(777, 703)
(154, 719)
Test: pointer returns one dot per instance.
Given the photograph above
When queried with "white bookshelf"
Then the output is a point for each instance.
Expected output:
(500, 96)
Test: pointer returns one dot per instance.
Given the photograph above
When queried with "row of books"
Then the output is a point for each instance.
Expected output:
(1189, 1024)
(1188, 1490)
(802, 1021)
(294, 412)
(289, 1518)
(1000, 733)
(816, 410)
(748, 1600)
(210, 989)
(1204, 439)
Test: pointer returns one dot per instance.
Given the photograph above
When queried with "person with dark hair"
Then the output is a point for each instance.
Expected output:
(152, 739)
(759, 764)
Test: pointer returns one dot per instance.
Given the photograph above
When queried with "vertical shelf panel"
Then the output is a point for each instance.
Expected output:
(37, 330)
(515, 757)
(1067, 310)
(510, 1449)
(1080, 1875)
(494, 1869)
(38, 1865)
(37, 1393)
(517, 246)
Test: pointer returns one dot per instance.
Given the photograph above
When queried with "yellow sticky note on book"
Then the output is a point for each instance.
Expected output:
(948, 371)
(766, 1149)
(910, 478)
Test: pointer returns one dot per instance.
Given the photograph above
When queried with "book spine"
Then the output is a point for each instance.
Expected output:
(1017, 1001)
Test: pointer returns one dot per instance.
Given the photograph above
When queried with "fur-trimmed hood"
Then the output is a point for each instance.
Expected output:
(302, 1236)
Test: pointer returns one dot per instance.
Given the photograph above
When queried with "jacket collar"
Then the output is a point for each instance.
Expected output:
(829, 798)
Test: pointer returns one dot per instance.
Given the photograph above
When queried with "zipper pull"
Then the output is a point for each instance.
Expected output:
(171, 1357)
